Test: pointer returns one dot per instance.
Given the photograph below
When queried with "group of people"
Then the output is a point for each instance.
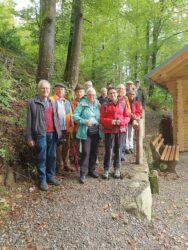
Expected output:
(53, 121)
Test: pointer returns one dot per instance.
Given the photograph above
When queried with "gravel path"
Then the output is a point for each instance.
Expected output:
(91, 216)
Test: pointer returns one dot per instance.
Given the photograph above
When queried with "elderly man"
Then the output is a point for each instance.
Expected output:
(130, 86)
(66, 124)
(42, 132)
(140, 94)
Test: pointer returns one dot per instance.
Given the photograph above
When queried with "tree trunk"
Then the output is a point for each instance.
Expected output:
(47, 39)
(71, 73)
(146, 68)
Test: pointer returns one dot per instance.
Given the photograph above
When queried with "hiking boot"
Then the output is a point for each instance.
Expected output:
(54, 182)
(82, 179)
(105, 174)
(93, 174)
(127, 151)
(43, 186)
(117, 173)
(123, 158)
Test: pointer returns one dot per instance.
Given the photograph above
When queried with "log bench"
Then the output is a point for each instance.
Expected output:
(165, 156)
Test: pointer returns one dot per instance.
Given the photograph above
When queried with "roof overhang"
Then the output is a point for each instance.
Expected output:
(175, 68)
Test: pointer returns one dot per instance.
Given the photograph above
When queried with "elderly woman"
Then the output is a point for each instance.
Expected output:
(135, 116)
(121, 91)
(103, 98)
(87, 116)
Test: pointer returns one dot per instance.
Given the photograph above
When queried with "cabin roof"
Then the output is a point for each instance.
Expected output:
(173, 69)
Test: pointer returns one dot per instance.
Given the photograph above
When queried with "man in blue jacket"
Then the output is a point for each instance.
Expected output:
(42, 132)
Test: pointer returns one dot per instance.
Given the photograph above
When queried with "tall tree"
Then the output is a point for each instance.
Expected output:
(46, 42)
(71, 73)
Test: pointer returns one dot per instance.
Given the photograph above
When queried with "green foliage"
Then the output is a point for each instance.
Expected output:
(161, 99)
(6, 91)
(3, 153)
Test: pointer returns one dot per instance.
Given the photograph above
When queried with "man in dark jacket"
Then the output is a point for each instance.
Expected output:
(42, 132)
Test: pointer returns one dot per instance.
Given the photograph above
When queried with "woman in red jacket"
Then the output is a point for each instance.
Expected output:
(114, 117)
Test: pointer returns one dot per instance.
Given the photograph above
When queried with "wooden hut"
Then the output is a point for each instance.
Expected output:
(173, 76)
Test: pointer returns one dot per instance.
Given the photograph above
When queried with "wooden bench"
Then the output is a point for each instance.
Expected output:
(165, 156)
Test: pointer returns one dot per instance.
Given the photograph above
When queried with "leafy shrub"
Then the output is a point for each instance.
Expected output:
(6, 92)
(160, 99)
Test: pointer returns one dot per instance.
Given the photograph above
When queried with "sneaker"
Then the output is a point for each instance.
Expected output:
(131, 151)
(43, 186)
(93, 174)
(117, 173)
(82, 179)
(54, 181)
(105, 174)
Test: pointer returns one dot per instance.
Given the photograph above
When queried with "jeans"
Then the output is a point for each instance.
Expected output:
(46, 156)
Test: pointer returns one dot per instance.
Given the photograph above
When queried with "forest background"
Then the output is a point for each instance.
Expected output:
(120, 40)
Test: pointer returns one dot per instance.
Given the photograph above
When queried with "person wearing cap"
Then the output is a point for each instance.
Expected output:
(135, 116)
(42, 132)
(130, 86)
(140, 94)
(103, 98)
(78, 94)
(66, 125)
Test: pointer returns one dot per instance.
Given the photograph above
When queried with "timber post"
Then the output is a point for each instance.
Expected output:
(139, 142)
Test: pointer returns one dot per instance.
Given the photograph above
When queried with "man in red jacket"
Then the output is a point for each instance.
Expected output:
(114, 117)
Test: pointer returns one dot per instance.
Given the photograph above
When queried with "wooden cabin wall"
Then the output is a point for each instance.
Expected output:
(172, 88)
(185, 113)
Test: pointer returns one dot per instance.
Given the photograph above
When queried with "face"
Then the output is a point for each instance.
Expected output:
(104, 93)
(79, 93)
(131, 87)
(137, 84)
(112, 95)
(91, 96)
(131, 96)
(121, 91)
(60, 92)
(44, 90)
(89, 85)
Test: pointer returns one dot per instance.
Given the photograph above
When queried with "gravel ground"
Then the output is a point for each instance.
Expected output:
(91, 216)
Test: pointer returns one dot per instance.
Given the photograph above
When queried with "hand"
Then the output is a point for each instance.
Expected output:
(113, 122)
(118, 122)
(88, 123)
(31, 143)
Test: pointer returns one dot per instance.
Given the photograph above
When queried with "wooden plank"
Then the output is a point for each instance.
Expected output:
(176, 158)
(156, 139)
(167, 153)
(172, 153)
(159, 145)
(164, 153)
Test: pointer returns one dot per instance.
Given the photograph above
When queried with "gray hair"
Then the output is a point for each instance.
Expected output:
(103, 89)
(91, 89)
(41, 82)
